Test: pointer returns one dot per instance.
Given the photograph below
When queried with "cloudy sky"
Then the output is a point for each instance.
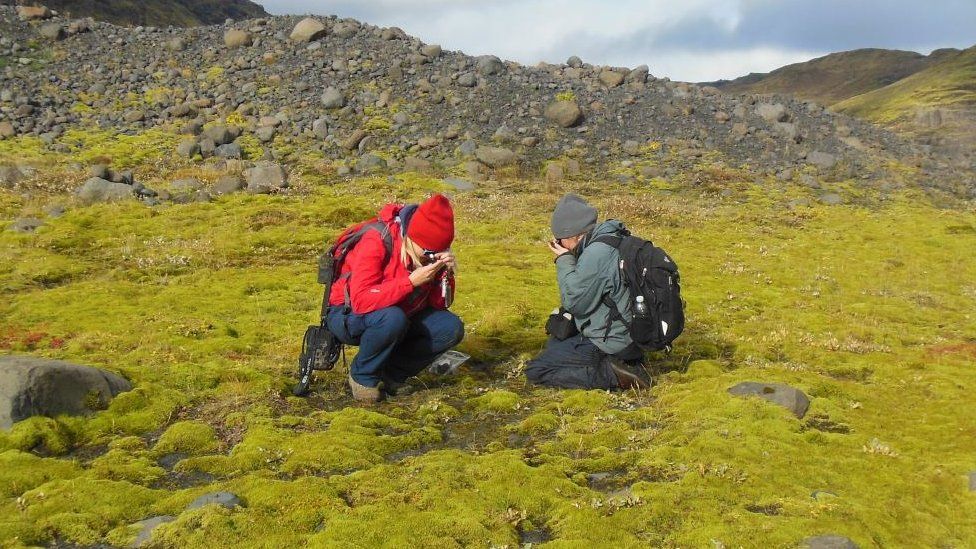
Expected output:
(692, 40)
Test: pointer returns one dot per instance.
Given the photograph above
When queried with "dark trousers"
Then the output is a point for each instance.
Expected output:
(576, 363)
(392, 345)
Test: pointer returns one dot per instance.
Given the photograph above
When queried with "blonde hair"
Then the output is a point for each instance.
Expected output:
(408, 252)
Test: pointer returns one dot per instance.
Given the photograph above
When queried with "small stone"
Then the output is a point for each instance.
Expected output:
(788, 397)
(415, 164)
(33, 13)
(489, 64)
(495, 157)
(224, 499)
(611, 79)
(772, 112)
(822, 160)
(265, 134)
(52, 31)
(10, 176)
(220, 134)
(146, 528)
(333, 98)
(831, 199)
(308, 30)
(352, 142)
(230, 150)
(188, 148)
(265, 178)
(829, 541)
(7, 130)
(228, 184)
(236, 38)
(462, 185)
(26, 225)
(565, 114)
(431, 50)
(631, 147)
(574, 61)
(100, 190)
(467, 80)
(321, 128)
(186, 185)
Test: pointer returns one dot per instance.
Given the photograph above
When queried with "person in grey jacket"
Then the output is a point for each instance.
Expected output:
(602, 355)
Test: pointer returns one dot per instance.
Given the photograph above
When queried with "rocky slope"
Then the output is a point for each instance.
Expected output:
(181, 13)
(352, 90)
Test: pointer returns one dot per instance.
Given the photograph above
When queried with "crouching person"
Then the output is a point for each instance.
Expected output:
(391, 297)
(602, 354)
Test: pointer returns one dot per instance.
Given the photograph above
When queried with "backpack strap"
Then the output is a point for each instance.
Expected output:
(343, 248)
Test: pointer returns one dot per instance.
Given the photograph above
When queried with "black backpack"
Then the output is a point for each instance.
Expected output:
(320, 348)
(650, 272)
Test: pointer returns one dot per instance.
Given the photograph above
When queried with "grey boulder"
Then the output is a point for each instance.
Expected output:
(782, 394)
(265, 178)
(564, 113)
(494, 157)
(100, 190)
(32, 386)
(308, 30)
(146, 528)
(333, 99)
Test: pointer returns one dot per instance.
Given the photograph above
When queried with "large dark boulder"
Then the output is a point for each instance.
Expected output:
(31, 386)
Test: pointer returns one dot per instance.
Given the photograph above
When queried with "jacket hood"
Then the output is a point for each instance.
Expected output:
(389, 212)
(608, 227)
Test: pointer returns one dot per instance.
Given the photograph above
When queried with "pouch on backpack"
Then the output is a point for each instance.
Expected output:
(561, 324)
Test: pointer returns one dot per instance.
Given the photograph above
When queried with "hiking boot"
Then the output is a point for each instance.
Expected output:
(363, 393)
(393, 387)
(630, 376)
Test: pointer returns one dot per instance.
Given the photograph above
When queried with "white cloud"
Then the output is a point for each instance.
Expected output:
(694, 40)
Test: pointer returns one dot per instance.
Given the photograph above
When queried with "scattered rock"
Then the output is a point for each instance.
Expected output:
(353, 141)
(489, 64)
(639, 74)
(822, 160)
(190, 184)
(52, 31)
(221, 135)
(788, 397)
(146, 528)
(415, 164)
(188, 148)
(333, 98)
(308, 30)
(33, 13)
(431, 50)
(26, 225)
(574, 62)
(100, 190)
(228, 184)
(230, 150)
(9, 176)
(31, 386)
(772, 112)
(564, 113)
(829, 541)
(265, 134)
(265, 178)
(7, 130)
(370, 163)
(467, 80)
(235, 38)
(460, 184)
(831, 199)
(224, 499)
(972, 481)
(495, 157)
(611, 79)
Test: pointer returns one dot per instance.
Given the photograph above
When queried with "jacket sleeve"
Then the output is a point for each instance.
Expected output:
(435, 299)
(583, 281)
(368, 289)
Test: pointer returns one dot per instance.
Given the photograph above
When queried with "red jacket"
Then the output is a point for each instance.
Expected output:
(374, 285)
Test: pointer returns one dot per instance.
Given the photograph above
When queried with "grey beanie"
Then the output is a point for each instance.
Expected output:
(572, 216)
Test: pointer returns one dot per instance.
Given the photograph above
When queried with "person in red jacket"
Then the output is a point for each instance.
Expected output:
(392, 301)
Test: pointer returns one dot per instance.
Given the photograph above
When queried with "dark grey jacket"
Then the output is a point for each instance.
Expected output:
(584, 279)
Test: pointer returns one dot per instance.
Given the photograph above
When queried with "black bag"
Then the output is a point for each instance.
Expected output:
(650, 273)
(320, 348)
(561, 325)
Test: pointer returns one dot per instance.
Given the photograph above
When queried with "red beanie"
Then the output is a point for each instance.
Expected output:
(432, 225)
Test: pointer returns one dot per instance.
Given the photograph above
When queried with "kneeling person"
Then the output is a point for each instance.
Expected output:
(602, 355)
(392, 294)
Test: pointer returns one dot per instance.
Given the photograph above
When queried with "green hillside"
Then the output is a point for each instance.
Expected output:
(834, 77)
(181, 13)
(951, 84)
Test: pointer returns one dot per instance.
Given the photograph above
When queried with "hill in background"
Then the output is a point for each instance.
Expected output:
(160, 13)
(937, 104)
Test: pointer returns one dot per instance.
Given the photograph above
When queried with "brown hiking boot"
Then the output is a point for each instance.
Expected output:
(363, 393)
(630, 376)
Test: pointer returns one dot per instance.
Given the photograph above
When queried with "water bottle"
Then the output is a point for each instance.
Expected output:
(640, 308)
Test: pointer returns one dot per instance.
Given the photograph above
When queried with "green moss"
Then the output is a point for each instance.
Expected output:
(495, 401)
(20, 472)
(187, 437)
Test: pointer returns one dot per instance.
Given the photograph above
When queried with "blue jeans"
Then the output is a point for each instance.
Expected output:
(576, 363)
(392, 345)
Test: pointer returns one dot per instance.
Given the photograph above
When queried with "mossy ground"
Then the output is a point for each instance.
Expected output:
(869, 309)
